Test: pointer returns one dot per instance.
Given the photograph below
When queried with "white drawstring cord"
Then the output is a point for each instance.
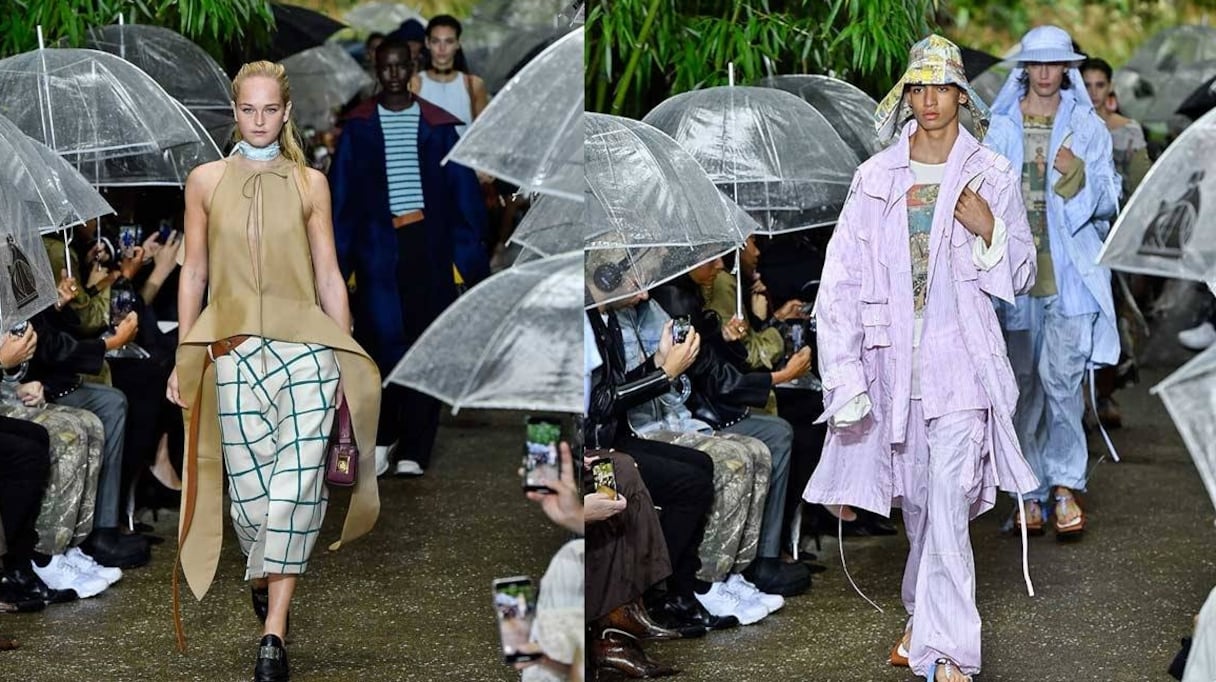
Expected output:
(1093, 400)
(845, 566)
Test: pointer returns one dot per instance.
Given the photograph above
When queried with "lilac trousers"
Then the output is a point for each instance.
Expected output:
(938, 477)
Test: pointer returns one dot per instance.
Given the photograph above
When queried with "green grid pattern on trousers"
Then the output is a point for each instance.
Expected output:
(276, 405)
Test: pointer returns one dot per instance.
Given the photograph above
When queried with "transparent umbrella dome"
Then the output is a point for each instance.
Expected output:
(1168, 227)
(87, 104)
(322, 80)
(1189, 395)
(530, 135)
(162, 167)
(27, 285)
(847, 107)
(551, 226)
(382, 17)
(1164, 70)
(513, 342)
(51, 194)
(650, 211)
(775, 155)
(521, 13)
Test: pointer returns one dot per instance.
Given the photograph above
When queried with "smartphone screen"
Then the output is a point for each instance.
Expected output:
(605, 477)
(515, 607)
(129, 237)
(541, 461)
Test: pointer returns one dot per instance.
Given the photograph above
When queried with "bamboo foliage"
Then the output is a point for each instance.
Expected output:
(210, 23)
(641, 51)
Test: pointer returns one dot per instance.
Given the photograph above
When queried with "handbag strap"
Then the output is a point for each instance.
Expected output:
(346, 433)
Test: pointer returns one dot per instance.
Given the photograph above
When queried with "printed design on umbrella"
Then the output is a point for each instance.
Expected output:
(1171, 229)
(21, 275)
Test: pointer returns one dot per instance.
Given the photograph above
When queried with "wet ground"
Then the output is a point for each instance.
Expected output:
(411, 601)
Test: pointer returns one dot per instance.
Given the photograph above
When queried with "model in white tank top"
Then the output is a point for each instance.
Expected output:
(454, 97)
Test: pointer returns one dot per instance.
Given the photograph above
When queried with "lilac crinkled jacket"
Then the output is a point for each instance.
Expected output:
(865, 321)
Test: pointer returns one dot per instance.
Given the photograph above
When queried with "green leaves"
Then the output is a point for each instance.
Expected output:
(690, 43)
(210, 23)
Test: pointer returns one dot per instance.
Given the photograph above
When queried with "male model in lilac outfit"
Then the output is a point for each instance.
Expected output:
(917, 383)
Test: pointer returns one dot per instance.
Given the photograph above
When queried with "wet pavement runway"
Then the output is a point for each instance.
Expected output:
(410, 601)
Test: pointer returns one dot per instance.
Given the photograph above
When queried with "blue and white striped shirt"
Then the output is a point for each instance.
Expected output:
(401, 158)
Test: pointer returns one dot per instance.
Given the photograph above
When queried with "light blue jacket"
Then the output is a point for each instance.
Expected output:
(1077, 226)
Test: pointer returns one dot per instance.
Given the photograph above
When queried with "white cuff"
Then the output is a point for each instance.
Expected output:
(854, 411)
(986, 256)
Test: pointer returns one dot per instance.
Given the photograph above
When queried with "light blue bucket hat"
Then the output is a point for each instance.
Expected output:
(1047, 44)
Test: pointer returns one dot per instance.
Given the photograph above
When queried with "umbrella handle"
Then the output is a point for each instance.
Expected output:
(67, 252)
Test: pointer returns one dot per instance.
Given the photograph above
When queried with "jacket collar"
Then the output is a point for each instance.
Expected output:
(431, 113)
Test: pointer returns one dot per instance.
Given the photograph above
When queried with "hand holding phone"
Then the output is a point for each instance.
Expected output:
(604, 475)
(541, 462)
(515, 609)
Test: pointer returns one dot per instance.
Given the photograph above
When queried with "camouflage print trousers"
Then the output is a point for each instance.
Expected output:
(742, 467)
(66, 516)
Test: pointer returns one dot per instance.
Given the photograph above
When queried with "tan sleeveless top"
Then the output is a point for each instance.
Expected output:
(261, 283)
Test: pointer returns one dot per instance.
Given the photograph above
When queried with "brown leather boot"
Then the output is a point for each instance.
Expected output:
(613, 650)
(634, 619)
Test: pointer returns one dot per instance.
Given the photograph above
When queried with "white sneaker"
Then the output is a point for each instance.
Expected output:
(408, 467)
(722, 601)
(88, 564)
(748, 591)
(61, 574)
(1198, 338)
(384, 453)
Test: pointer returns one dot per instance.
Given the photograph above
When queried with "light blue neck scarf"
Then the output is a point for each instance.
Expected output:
(253, 153)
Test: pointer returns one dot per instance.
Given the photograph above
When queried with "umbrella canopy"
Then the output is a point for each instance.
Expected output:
(1189, 395)
(771, 152)
(1168, 227)
(381, 17)
(575, 13)
(89, 105)
(27, 284)
(551, 226)
(180, 66)
(52, 193)
(296, 29)
(530, 134)
(498, 52)
(651, 212)
(1164, 71)
(1199, 102)
(322, 80)
(513, 342)
(521, 13)
(847, 107)
(976, 62)
(166, 167)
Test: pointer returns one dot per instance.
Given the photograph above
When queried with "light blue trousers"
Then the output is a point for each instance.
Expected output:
(1049, 361)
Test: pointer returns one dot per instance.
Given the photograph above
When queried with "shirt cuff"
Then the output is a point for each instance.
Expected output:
(854, 411)
(1071, 184)
(986, 256)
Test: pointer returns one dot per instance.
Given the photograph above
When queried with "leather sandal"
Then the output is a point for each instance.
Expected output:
(946, 670)
(1034, 518)
(899, 652)
(1074, 528)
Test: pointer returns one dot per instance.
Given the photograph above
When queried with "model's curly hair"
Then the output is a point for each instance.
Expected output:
(289, 137)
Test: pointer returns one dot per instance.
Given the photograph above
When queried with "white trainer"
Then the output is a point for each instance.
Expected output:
(722, 601)
(60, 574)
(381, 460)
(1198, 338)
(408, 467)
(748, 591)
(88, 564)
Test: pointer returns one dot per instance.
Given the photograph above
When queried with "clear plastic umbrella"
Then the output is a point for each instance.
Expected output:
(89, 105)
(1189, 395)
(497, 54)
(774, 154)
(180, 66)
(322, 80)
(166, 167)
(1168, 227)
(530, 134)
(1164, 71)
(522, 13)
(847, 107)
(551, 226)
(26, 282)
(651, 212)
(53, 194)
(382, 17)
(513, 342)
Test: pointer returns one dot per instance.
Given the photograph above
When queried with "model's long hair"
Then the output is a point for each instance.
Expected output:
(459, 61)
(289, 137)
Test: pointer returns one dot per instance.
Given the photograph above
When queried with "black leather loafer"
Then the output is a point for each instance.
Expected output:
(272, 661)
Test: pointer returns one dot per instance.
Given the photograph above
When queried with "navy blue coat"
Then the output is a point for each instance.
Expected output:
(387, 311)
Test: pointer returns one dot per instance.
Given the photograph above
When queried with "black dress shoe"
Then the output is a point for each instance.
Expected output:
(24, 584)
(18, 600)
(773, 576)
(633, 619)
(685, 612)
(108, 548)
(272, 661)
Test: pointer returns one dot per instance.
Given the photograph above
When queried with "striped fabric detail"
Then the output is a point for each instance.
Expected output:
(401, 158)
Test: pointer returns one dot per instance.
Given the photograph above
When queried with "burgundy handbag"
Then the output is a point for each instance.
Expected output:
(342, 457)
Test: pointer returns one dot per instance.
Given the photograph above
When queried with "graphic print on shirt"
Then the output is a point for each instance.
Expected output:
(1035, 164)
(922, 199)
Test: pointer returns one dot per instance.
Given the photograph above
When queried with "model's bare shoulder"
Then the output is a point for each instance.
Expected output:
(203, 180)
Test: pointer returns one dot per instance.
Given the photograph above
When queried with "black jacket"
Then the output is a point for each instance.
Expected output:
(614, 389)
(61, 358)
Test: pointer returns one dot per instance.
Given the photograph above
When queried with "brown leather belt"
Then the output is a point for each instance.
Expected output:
(219, 349)
(408, 218)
